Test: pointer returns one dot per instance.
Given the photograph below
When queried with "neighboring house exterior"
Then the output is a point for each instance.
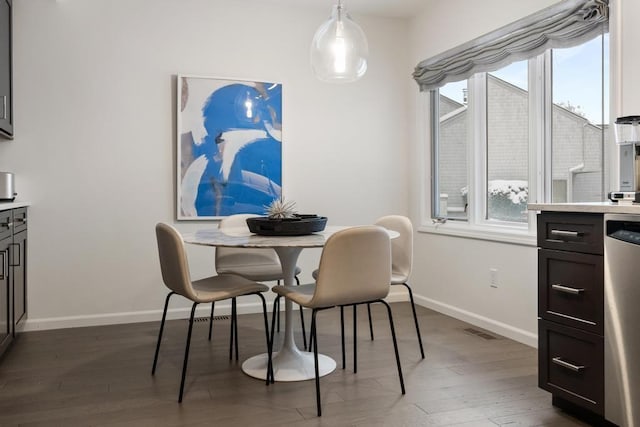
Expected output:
(453, 156)
(577, 148)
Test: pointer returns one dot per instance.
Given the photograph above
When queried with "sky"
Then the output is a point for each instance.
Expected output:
(577, 78)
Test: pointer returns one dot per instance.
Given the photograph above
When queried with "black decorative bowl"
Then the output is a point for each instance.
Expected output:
(296, 226)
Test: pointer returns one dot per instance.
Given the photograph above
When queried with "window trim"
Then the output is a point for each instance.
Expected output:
(492, 233)
(435, 152)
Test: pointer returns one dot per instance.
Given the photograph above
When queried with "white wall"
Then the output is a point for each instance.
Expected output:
(451, 274)
(95, 134)
(625, 15)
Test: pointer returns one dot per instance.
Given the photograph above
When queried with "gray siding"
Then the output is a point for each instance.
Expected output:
(453, 158)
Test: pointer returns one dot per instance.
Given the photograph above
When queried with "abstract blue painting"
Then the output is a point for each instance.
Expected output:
(229, 146)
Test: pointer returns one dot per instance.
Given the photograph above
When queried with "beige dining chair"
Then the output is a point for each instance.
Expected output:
(355, 268)
(175, 275)
(261, 265)
(401, 262)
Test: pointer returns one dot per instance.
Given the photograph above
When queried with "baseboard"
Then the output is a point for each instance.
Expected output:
(516, 334)
(400, 295)
(222, 309)
(203, 310)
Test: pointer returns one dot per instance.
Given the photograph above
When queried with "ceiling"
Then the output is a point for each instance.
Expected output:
(386, 8)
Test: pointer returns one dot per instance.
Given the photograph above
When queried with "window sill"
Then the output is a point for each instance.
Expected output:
(502, 234)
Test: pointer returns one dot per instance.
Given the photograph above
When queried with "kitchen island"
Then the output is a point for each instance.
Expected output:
(584, 314)
(13, 271)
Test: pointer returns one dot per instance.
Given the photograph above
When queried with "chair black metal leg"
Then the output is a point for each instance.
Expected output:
(355, 341)
(315, 359)
(370, 322)
(235, 325)
(310, 340)
(395, 344)
(232, 328)
(304, 333)
(415, 319)
(278, 283)
(270, 373)
(186, 351)
(342, 335)
(164, 316)
(266, 331)
(213, 305)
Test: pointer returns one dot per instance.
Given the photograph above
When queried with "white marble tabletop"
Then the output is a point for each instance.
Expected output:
(242, 237)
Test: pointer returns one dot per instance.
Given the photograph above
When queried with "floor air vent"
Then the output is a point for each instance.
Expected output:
(206, 319)
(480, 334)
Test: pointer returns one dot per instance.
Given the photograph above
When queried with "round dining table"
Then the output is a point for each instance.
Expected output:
(289, 363)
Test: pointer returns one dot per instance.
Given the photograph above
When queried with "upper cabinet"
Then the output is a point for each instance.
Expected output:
(6, 110)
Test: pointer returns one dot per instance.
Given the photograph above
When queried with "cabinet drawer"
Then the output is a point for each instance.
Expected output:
(571, 232)
(19, 219)
(571, 289)
(6, 227)
(572, 365)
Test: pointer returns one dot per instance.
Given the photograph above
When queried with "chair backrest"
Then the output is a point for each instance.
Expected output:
(227, 258)
(173, 261)
(401, 246)
(355, 266)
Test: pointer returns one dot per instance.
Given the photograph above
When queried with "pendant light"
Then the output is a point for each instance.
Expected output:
(339, 49)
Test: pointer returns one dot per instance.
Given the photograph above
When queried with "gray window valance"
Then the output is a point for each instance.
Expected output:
(566, 24)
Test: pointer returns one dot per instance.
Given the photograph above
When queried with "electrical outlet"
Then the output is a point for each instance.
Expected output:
(493, 277)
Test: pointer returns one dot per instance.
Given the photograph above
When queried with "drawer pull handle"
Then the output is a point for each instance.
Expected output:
(575, 368)
(567, 289)
(21, 220)
(6, 224)
(12, 259)
(565, 233)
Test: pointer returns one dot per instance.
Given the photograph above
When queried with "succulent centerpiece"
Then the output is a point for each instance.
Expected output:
(281, 209)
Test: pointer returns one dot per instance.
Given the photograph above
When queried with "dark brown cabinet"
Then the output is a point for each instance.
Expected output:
(6, 87)
(19, 266)
(571, 309)
(5, 312)
(13, 273)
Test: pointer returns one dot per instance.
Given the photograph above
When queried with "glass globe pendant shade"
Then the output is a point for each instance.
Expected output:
(339, 49)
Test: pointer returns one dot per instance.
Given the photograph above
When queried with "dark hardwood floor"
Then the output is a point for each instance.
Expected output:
(102, 376)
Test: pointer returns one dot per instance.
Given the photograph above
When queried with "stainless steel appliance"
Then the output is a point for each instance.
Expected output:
(627, 133)
(7, 186)
(622, 319)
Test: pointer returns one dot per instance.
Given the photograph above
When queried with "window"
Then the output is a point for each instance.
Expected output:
(532, 129)
(507, 129)
(452, 179)
(579, 121)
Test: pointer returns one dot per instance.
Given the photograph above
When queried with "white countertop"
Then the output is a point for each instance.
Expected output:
(12, 205)
(587, 207)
